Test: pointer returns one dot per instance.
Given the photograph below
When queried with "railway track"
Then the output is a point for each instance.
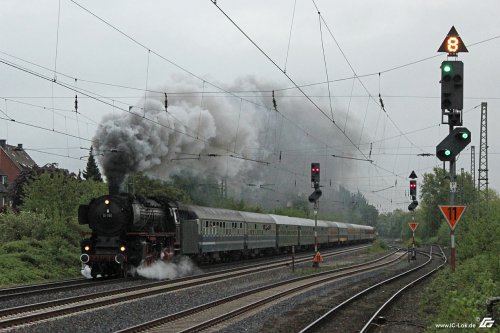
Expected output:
(210, 314)
(71, 284)
(36, 289)
(364, 301)
(12, 317)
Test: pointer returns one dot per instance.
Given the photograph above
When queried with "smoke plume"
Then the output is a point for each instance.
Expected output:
(163, 141)
(218, 135)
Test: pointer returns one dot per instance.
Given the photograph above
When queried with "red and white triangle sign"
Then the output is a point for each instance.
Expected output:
(413, 226)
(452, 214)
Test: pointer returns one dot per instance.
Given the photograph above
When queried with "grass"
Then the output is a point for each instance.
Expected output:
(378, 246)
(30, 261)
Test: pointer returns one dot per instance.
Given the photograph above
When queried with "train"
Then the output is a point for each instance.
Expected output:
(130, 230)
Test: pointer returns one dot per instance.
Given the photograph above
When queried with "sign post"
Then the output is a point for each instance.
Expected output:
(413, 227)
(452, 214)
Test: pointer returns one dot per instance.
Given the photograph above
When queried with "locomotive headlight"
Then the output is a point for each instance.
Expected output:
(106, 202)
(123, 248)
(87, 248)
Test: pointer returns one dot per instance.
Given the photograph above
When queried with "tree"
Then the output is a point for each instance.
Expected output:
(58, 194)
(434, 191)
(92, 172)
(16, 189)
(141, 184)
(393, 224)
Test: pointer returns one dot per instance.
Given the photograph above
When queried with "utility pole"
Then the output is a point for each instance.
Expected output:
(473, 165)
(482, 185)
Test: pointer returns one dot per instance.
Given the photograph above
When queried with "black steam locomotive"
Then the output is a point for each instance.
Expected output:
(127, 230)
(130, 230)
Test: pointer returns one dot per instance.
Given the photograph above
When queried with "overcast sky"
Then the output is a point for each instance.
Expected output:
(104, 49)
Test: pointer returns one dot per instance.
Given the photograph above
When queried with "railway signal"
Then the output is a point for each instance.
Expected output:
(452, 44)
(452, 214)
(315, 174)
(313, 198)
(413, 205)
(453, 144)
(315, 195)
(452, 85)
(413, 189)
(452, 75)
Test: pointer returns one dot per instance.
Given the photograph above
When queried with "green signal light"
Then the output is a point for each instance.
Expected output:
(447, 152)
(465, 136)
(447, 68)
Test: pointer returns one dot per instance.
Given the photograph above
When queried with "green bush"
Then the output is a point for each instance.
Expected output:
(460, 297)
(43, 240)
(377, 246)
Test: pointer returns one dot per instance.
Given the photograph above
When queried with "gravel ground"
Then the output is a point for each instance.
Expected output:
(134, 312)
(404, 315)
(295, 313)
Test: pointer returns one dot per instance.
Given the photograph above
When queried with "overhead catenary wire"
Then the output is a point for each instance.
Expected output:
(211, 83)
(316, 106)
(355, 74)
(326, 66)
(122, 108)
(290, 35)
(293, 82)
(353, 81)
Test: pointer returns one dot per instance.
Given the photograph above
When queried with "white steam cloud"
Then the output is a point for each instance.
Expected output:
(161, 270)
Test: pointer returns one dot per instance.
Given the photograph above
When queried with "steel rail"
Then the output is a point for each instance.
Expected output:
(35, 289)
(397, 293)
(333, 275)
(318, 322)
(25, 291)
(130, 293)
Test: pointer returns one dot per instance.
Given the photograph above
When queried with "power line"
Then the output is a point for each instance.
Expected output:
(284, 73)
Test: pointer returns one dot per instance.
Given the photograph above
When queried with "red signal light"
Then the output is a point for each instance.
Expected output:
(315, 173)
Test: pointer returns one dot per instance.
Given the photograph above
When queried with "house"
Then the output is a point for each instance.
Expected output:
(13, 160)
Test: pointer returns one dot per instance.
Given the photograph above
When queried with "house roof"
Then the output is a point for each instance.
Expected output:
(18, 156)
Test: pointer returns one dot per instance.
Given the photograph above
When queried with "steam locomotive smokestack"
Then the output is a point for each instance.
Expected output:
(113, 188)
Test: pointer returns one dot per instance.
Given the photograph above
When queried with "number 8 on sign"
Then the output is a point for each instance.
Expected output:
(452, 44)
